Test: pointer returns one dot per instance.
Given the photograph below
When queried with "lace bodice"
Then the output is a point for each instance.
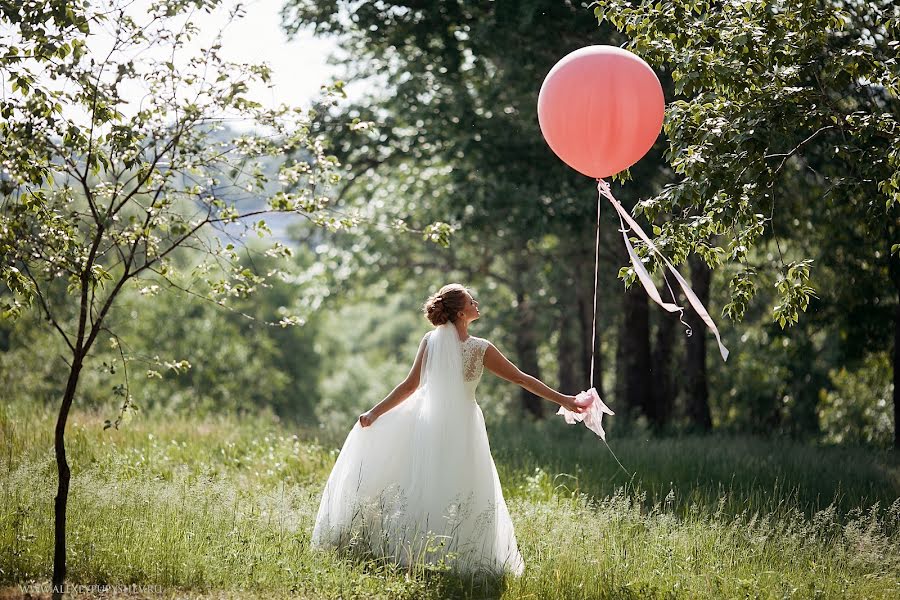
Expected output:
(473, 358)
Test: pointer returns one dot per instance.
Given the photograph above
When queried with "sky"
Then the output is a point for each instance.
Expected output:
(299, 67)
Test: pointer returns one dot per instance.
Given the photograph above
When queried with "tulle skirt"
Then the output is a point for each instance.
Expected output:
(419, 486)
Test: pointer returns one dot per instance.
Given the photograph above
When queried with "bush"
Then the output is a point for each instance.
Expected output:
(858, 410)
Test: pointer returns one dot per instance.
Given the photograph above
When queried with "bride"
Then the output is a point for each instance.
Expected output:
(415, 481)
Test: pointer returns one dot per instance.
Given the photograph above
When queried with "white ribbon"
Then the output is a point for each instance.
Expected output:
(644, 276)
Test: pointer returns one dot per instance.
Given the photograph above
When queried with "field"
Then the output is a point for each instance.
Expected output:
(224, 506)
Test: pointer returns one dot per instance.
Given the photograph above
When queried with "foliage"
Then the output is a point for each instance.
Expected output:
(183, 356)
(98, 193)
(370, 346)
(95, 200)
(106, 201)
(790, 224)
(858, 410)
(453, 124)
(771, 96)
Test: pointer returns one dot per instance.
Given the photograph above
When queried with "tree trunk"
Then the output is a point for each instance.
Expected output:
(526, 351)
(635, 343)
(62, 491)
(697, 401)
(894, 271)
(896, 368)
(662, 393)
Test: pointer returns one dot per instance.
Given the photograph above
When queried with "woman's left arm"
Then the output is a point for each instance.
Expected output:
(499, 365)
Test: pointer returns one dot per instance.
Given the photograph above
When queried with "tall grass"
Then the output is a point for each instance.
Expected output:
(746, 473)
(226, 505)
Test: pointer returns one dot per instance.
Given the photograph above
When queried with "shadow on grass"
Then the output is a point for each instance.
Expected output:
(434, 581)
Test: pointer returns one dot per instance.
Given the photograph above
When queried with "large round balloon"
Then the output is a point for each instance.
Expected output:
(601, 109)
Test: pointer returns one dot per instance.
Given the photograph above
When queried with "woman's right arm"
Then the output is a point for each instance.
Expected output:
(498, 364)
(400, 393)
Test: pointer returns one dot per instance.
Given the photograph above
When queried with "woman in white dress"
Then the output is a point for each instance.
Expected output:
(415, 481)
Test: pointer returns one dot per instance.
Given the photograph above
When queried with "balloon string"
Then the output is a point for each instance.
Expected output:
(617, 458)
(594, 322)
(596, 269)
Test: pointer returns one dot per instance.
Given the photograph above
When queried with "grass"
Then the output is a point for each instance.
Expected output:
(224, 506)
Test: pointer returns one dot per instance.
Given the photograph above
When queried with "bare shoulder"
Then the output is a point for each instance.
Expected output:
(498, 364)
(487, 350)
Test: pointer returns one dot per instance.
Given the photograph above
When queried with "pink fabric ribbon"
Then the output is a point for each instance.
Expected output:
(592, 416)
(644, 276)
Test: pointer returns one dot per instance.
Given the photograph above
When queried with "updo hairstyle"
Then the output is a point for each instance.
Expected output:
(446, 304)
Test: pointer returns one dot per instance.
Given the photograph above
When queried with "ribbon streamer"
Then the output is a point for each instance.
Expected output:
(644, 276)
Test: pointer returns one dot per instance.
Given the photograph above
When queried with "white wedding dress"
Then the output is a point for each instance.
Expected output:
(419, 485)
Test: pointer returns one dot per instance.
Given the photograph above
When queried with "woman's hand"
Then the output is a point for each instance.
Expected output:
(367, 418)
(570, 404)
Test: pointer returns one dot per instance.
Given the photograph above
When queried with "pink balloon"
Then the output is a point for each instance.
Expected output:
(601, 109)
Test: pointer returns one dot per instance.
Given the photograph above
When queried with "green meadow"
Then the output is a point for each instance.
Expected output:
(237, 220)
(224, 507)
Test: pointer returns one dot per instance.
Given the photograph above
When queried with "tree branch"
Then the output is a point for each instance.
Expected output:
(787, 155)
(50, 317)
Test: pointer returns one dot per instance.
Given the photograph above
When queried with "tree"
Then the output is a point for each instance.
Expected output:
(697, 390)
(776, 97)
(457, 139)
(97, 194)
